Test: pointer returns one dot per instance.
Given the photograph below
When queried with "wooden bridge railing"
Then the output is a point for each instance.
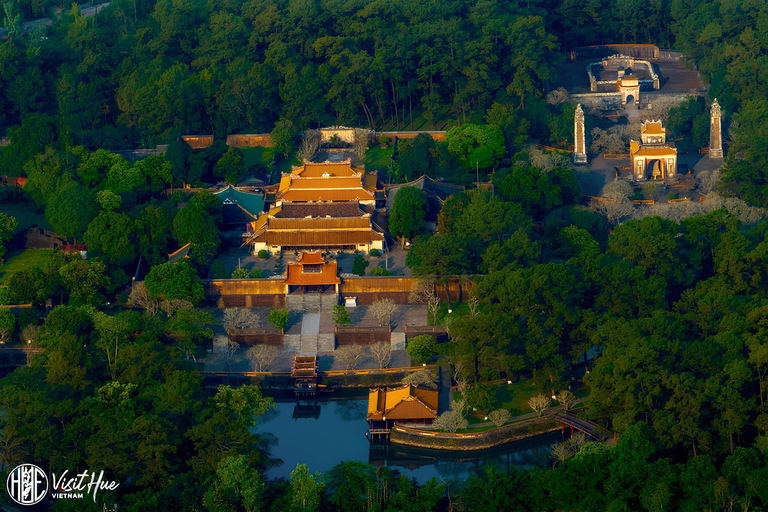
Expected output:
(588, 427)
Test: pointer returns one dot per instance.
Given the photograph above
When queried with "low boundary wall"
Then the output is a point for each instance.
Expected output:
(249, 293)
(439, 332)
(362, 335)
(473, 441)
(252, 337)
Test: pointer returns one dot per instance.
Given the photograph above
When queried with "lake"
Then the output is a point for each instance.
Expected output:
(321, 433)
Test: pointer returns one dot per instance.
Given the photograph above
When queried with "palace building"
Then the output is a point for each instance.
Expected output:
(326, 226)
(327, 181)
(652, 157)
(323, 206)
(407, 404)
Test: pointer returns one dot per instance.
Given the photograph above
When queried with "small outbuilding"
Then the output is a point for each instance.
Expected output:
(406, 404)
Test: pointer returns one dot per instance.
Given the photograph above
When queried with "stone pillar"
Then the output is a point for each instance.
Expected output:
(579, 150)
(715, 133)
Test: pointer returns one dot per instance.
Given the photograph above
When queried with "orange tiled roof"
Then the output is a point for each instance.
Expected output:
(261, 222)
(301, 183)
(318, 238)
(311, 258)
(369, 181)
(323, 223)
(327, 195)
(656, 152)
(653, 128)
(295, 276)
(316, 170)
(404, 403)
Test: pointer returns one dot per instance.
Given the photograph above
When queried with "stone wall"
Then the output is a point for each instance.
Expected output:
(436, 135)
(250, 140)
(250, 337)
(599, 100)
(670, 55)
(343, 133)
(474, 441)
(362, 335)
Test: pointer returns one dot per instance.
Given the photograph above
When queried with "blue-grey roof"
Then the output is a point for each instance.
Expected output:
(252, 203)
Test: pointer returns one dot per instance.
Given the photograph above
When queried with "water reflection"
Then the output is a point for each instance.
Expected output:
(323, 432)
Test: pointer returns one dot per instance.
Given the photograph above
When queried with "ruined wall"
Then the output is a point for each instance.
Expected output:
(250, 140)
(343, 133)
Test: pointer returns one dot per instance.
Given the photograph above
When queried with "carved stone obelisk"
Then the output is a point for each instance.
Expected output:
(579, 150)
(715, 132)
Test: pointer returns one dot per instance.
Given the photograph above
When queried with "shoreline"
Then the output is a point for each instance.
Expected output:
(473, 441)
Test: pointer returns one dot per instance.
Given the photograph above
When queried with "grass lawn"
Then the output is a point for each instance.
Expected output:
(377, 158)
(26, 215)
(263, 157)
(23, 260)
(514, 397)
(458, 310)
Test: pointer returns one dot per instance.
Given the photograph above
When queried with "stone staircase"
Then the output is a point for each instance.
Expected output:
(328, 301)
(294, 302)
(326, 342)
(309, 343)
(312, 302)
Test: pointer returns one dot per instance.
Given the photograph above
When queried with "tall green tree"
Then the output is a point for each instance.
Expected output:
(407, 216)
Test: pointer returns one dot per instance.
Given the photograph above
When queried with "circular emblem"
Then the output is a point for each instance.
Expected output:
(27, 484)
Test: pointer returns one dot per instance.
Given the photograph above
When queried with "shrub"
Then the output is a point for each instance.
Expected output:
(374, 253)
(240, 273)
(263, 254)
(499, 416)
(423, 378)
(672, 195)
(218, 271)
(450, 421)
(421, 348)
(341, 315)
(278, 318)
(359, 265)
(256, 273)
(383, 141)
(379, 271)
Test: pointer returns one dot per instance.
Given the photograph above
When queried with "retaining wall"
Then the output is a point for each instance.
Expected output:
(473, 441)
(250, 140)
(439, 332)
(252, 337)
(362, 335)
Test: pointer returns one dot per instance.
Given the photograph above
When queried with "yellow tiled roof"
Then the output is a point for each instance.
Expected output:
(654, 128)
(316, 170)
(326, 195)
(655, 152)
(405, 403)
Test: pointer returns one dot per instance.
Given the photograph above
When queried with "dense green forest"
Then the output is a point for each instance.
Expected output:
(676, 311)
(141, 72)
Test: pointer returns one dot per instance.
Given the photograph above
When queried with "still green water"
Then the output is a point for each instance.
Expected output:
(321, 433)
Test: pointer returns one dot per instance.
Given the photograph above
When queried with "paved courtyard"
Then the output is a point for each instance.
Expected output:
(310, 324)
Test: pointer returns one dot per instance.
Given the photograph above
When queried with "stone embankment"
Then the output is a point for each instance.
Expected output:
(476, 440)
